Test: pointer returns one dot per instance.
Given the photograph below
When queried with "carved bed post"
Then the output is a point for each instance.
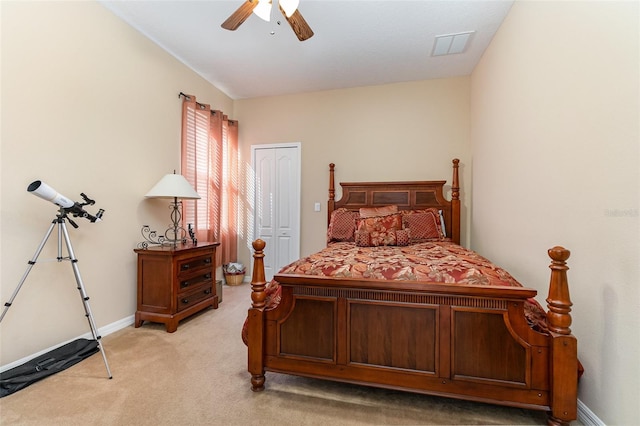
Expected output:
(564, 347)
(256, 318)
(331, 205)
(559, 302)
(455, 203)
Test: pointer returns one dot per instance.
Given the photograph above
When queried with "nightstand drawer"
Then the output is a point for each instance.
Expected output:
(194, 281)
(188, 265)
(189, 299)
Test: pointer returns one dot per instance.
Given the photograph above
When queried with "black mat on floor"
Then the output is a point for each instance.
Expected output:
(46, 365)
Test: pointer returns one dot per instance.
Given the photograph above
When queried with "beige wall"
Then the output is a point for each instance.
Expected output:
(406, 131)
(552, 111)
(88, 105)
(555, 137)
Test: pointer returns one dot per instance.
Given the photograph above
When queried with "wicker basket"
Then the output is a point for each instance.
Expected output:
(234, 279)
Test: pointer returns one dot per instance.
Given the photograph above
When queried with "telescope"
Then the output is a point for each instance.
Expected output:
(44, 191)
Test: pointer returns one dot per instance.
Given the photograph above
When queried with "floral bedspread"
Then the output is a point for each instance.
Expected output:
(436, 262)
(441, 262)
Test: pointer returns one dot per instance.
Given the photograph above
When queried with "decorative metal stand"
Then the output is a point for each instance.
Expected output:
(62, 232)
(172, 236)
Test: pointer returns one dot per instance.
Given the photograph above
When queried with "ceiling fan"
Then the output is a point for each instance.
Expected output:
(262, 8)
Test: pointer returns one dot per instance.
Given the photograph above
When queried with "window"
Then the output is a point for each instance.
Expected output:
(210, 164)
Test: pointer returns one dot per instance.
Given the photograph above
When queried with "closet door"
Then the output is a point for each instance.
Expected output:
(277, 207)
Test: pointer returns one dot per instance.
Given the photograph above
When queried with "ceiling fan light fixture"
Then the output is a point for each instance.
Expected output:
(289, 6)
(263, 10)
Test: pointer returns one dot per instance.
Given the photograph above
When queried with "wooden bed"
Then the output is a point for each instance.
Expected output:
(463, 341)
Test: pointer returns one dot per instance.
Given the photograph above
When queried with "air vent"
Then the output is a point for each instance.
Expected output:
(449, 44)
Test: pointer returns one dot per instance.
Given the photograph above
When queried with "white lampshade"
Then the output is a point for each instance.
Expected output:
(173, 186)
(263, 10)
(289, 6)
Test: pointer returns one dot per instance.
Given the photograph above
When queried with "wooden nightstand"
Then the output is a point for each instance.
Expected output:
(175, 282)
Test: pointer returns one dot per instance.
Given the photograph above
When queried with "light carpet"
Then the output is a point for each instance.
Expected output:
(198, 376)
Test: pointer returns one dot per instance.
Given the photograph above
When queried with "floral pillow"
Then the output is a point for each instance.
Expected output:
(423, 225)
(381, 230)
(398, 237)
(342, 226)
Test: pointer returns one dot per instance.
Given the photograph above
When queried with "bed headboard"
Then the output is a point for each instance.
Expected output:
(410, 195)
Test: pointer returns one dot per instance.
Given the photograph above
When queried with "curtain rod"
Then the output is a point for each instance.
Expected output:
(188, 97)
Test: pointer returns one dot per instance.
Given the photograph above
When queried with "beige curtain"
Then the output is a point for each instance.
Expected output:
(210, 163)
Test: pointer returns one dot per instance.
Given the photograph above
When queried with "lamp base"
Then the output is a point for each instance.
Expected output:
(172, 236)
(151, 238)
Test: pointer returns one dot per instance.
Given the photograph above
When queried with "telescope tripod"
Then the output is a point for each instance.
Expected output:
(62, 231)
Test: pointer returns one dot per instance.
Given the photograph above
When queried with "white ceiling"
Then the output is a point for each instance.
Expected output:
(356, 42)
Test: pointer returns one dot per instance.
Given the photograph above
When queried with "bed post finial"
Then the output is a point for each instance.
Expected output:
(258, 283)
(455, 203)
(455, 184)
(332, 187)
(332, 192)
(558, 301)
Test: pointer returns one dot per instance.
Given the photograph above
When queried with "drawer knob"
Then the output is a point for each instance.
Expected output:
(207, 260)
(207, 275)
(185, 266)
(185, 300)
(184, 284)
(207, 291)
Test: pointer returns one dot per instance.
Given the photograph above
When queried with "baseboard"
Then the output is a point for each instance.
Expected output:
(102, 331)
(588, 417)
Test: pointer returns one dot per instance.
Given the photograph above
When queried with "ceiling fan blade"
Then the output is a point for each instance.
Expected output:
(298, 24)
(240, 15)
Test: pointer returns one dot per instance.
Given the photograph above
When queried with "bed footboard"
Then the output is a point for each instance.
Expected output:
(462, 341)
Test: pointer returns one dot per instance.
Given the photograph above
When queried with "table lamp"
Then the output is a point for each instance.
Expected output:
(170, 186)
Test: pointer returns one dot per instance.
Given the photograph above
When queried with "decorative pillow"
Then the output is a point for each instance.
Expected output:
(342, 226)
(363, 239)
(367, 239)
(380, 223)
(393, 237)
(381, 229)
(423, 226)
(366, 212)
(402, 237)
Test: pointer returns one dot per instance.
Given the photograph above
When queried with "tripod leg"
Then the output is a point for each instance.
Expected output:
(83, 295)
(26, 273)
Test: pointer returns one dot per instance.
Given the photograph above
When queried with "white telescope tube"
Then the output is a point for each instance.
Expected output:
(46, 192)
